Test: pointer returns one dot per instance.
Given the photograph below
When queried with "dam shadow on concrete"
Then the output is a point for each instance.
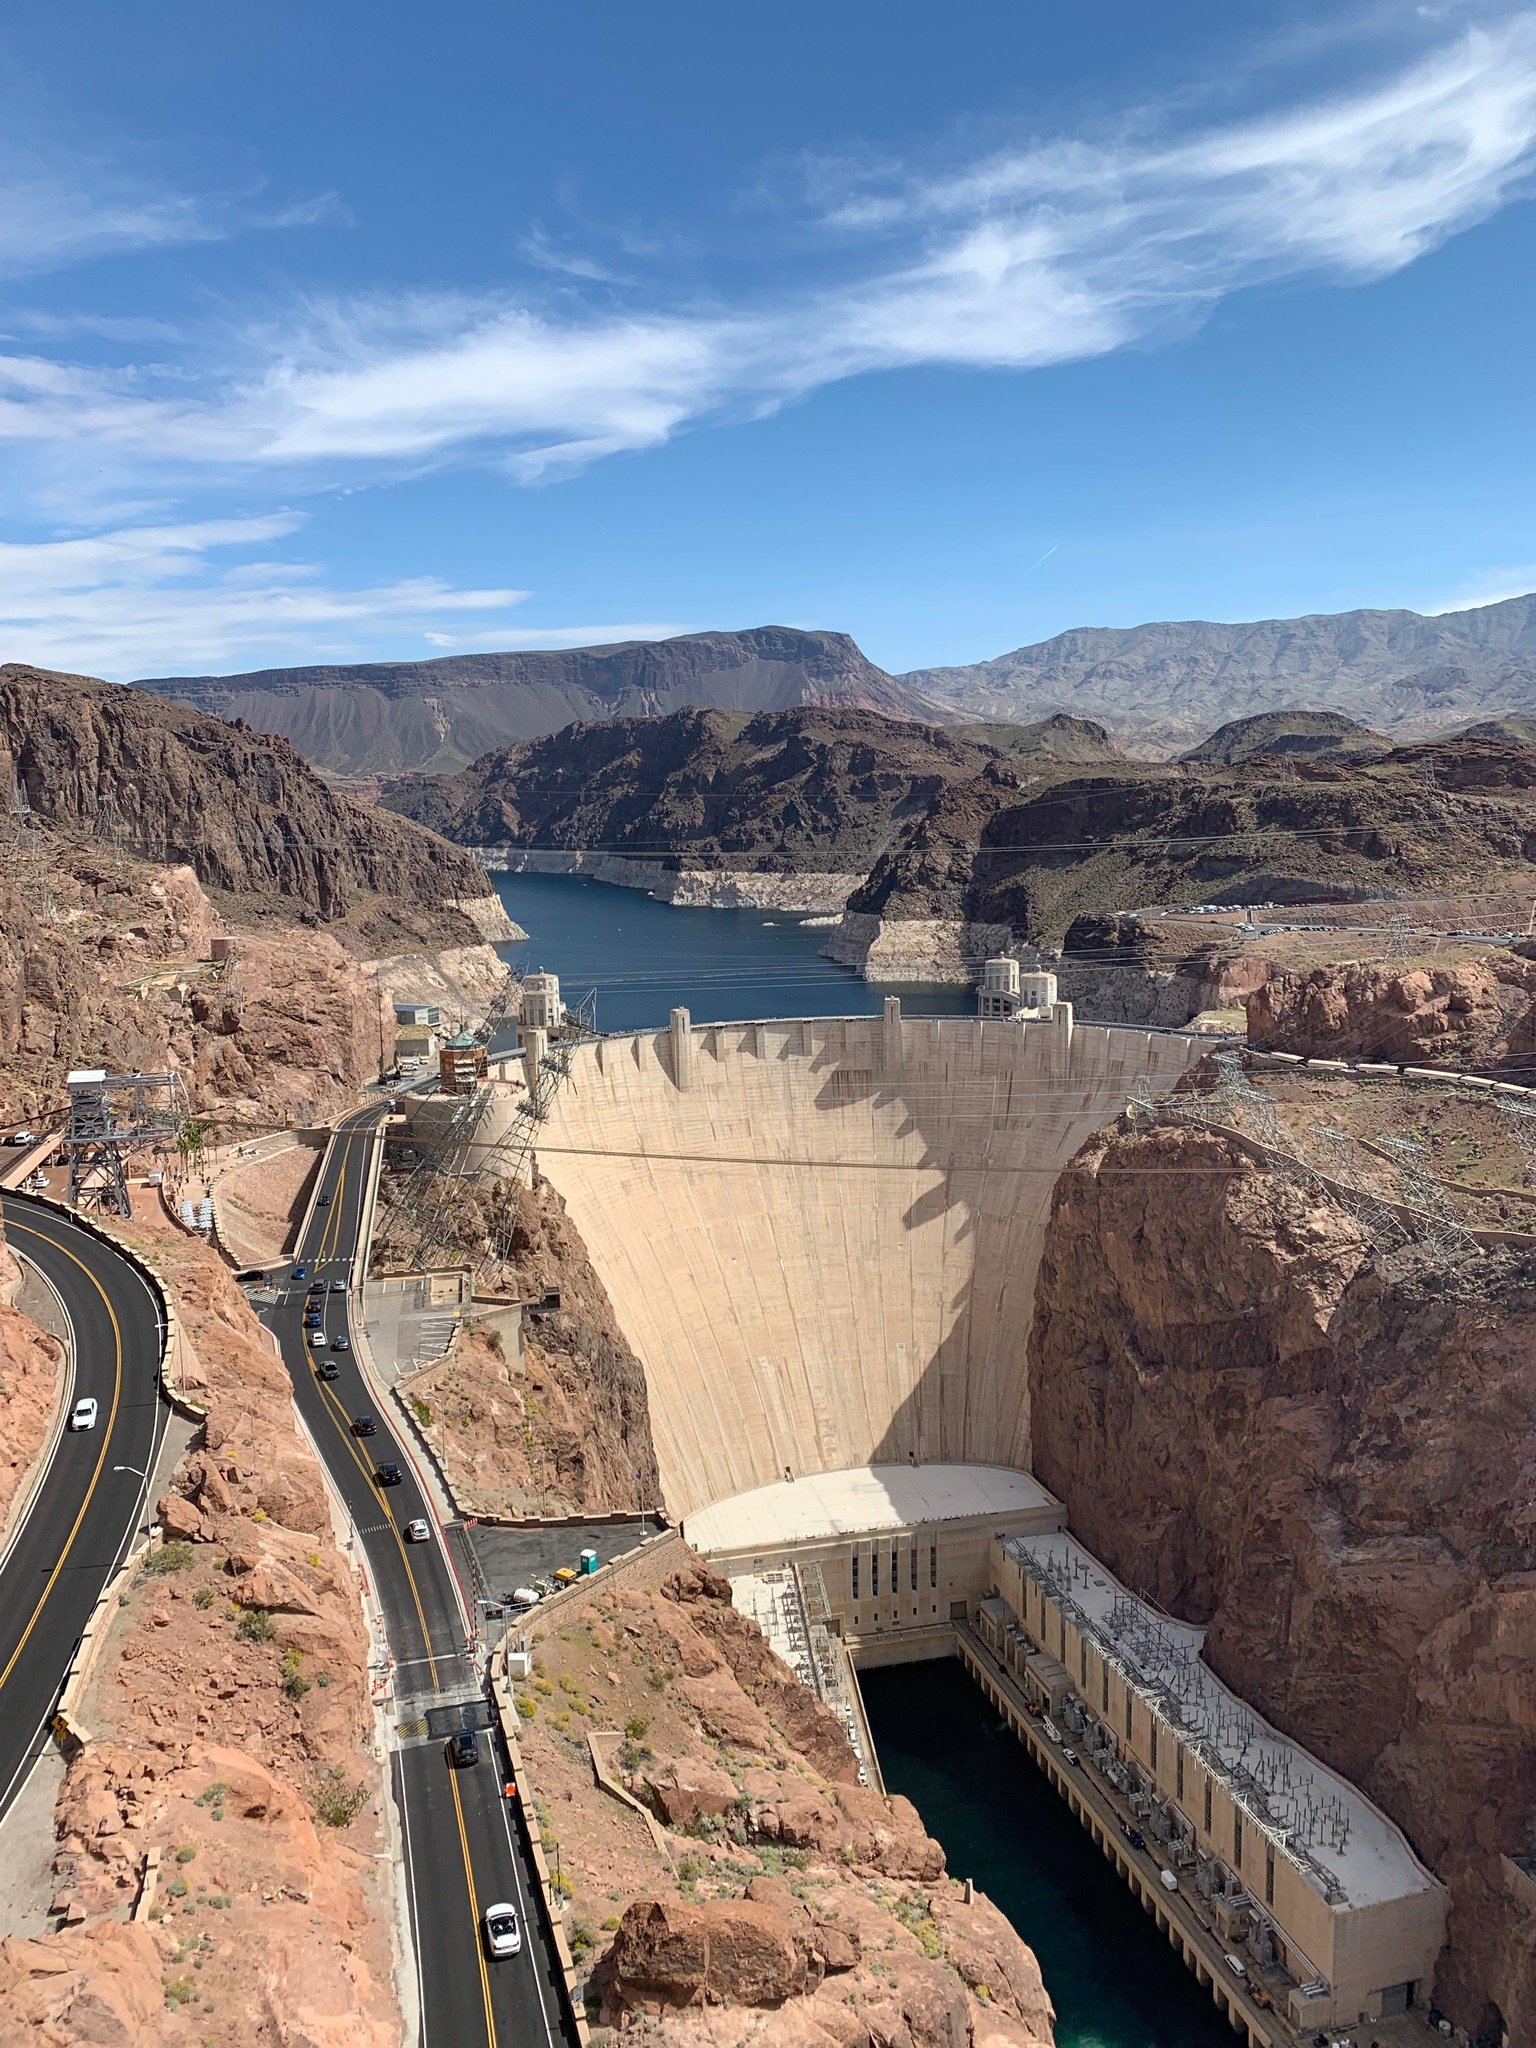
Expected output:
(1113, 1978)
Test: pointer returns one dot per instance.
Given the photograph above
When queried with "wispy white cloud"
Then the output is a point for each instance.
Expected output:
(50, 218)
(1058, 252)
(160, 599)
(1491, 586)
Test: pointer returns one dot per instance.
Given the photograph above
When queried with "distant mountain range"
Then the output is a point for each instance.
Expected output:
(1158, 688)
(385, 718)
(1162, 687)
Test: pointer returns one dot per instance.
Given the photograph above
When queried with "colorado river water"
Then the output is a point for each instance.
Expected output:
(1114, 1980)
(643, 957)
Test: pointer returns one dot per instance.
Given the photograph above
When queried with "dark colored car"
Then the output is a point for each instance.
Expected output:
(387, 1475)
(364, 1425)
(313, 1319)
(301, 1272)
(463, 1750)
(328, 1369)
(341, 1343)
(322, 1201)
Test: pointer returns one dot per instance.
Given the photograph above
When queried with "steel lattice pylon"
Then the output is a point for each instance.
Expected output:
(110, 1117)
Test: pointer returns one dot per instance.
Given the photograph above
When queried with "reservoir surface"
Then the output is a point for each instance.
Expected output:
(1113, 1979)
(645, 957)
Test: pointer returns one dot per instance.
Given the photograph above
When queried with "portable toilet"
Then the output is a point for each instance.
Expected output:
(588, 1563)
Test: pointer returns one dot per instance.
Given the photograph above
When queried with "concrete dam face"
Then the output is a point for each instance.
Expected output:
(821, 1236)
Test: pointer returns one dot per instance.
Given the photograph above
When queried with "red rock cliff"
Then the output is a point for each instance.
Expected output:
(1329, 1457)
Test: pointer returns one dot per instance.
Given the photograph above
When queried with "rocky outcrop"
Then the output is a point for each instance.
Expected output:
(379, 718)
(240, 1751)
(560, 1424)
(104, 959)
(1477, 1014)
(939, 949)
(793, 1904)
(238, 807)
(809, 792)
(1326, 1456)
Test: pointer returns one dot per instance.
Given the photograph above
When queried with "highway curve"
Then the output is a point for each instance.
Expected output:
(463, 1852)
(90, 1501)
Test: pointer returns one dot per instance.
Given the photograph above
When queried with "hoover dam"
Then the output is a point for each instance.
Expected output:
(821, 1236)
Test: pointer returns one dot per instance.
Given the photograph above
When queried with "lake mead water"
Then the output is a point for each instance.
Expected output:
(645, 957)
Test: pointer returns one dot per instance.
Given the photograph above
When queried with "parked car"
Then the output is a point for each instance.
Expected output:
(83, 1414)
(387, 1475)
(364, 1425)
(1236, 1965)
(328, 1369)
(463, 1750)
(503, 1936)
(417, 1531)
(1070, 1756)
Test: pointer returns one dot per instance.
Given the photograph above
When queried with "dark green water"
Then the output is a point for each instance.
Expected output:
(644, 957)
(1112, 1977)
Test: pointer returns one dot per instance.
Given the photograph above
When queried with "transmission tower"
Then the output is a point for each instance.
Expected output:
(112, 1116)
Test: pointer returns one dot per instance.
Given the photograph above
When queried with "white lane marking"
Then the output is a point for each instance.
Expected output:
(64, 1408)
(528, 1922)
(410, 1881)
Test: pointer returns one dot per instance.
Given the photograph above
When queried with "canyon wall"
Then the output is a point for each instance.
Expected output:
(1328, 1456)
(106, 959)
(823, 1249)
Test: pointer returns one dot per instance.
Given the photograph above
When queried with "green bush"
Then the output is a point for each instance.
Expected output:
(337, 1803)
(637, 1727)
(295, 1684)
(204, 1597)
(255, 1626)
(170, 1557)
(186, 1853)
(526, 1707)
(422, 1410)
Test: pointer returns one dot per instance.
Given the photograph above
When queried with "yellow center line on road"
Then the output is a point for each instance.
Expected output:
(29, 1230)
(342, 1420)
(474, 1905)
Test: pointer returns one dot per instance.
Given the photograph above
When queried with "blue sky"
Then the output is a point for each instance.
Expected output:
(352, 332)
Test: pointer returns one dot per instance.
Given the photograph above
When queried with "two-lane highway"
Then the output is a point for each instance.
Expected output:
(462, 1849)
(88, 1505)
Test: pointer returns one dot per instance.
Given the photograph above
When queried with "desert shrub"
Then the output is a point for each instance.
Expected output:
(295, 1684)
(637, 1727)
(170, 1557)
(204, 1597)
(337, 1803)
(255, 1626)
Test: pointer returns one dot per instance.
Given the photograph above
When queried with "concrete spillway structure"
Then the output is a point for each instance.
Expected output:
(821, 1237)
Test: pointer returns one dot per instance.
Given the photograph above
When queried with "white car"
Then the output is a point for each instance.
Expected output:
(83, 1414)
(317, 1340)
(417, 1531)
(503, 1936)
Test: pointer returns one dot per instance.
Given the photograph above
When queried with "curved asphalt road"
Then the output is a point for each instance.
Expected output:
(464, 1850)
(88, 1505)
